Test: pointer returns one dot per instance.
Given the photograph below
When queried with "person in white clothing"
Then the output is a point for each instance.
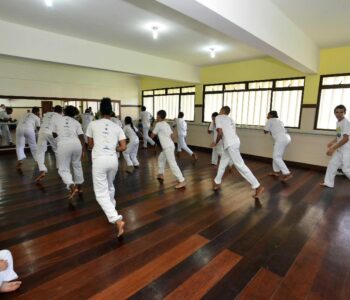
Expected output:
(226, 129)
(181, 127)
(70, 149)
(339, 148)
(281, 141)
(105, 138)
(7, 273)
(130, 154)
(116, 120)
(165, 135)
(25, 133)
(5, 118)
(146, 118)
(45, 136)
(86, 119)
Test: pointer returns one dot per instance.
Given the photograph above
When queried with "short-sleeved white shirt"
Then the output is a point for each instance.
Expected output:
(181, 126)
(164, 132)
(343, 127)
(86, 119)
(67, 129)
(146, 118)
(276, 128)
(131, 134)
(29, 120)
(4, 115)
(47, 122)
(228, 127)
(106, 135)
(117, 121)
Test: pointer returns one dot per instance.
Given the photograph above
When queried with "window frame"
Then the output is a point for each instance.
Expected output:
(246, 83)
(326, 87)
(172, 94)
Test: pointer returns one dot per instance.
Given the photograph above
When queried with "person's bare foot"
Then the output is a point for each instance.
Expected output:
(19, 164)
(325, 185)
(216, 186)
(285, 178)
(120, 228)
(41, 175)
(259, 191)
(180, 185)
(8, 287)
(73, 191)
(275, 174)
(195, 157)
(160, 178)
(130, 169)
(80, 189)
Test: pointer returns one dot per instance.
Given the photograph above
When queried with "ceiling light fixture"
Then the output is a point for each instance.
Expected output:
(155, 32)
(49, 3)
(212, 52)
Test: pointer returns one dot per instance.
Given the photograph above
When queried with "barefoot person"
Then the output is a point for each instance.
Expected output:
(130, 154)
(339, 148)
(7, 274)
(105, 138)
(165, 135)
(281, 141)
(226, 129)
(146, 118)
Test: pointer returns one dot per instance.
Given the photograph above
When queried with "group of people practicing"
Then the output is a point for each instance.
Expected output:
(106, 138)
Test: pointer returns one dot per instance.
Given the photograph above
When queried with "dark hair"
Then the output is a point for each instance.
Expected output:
(106, 106)
(87, 111)
(273, 114)
(113, 114)
(143, 108)
(128, 121)
(214, 114)
(58, 109)
(35, 110)
(226, 110)
(9, 109)
(181, 114)
(341, 106)
(162, 114)
(70, 111)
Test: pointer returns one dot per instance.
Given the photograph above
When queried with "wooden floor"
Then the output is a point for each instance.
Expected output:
(190, 244)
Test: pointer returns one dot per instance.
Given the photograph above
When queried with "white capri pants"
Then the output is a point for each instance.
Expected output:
(104, 169)
(340, 159)
(9, 274)
(146, 138)
(167, 155)
(181, 144)
(23, 135)
(279, 148)
(43, 139)
(6, 134)
(130, 154)
(69, 152)
(232, 153)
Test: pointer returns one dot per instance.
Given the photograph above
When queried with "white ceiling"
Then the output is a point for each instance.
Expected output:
(125, 24)
(326, 22)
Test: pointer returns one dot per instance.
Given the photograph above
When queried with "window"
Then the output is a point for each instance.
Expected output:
(334, 90)
(250, 102)
(172, 100)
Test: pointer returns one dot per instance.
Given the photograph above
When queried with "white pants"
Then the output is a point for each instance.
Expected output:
(6, 134)
(167, 155)
(43, 139)
(9, 274)
(130, 154)
(216, 153)
(340, 159)
(69, 152)
(146, 137)
(279, 148)
(181, 144)
(232, 153)
(104, 170)
(23, 135)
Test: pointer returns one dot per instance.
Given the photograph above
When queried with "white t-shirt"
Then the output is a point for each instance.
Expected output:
(86, 119)
(117, 121)
(276, 128)
(228, 127)
(29, 120)
(181, 126)
(212, 128)
(4, 116)
(47, 122)
(131, 134)
(146, 118)
(343, 127)
(164, 132)
(106, 135)
(67, 129)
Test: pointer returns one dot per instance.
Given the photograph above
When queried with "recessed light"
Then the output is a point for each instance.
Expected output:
(155, 30)
(212, 52)
(49, 3)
